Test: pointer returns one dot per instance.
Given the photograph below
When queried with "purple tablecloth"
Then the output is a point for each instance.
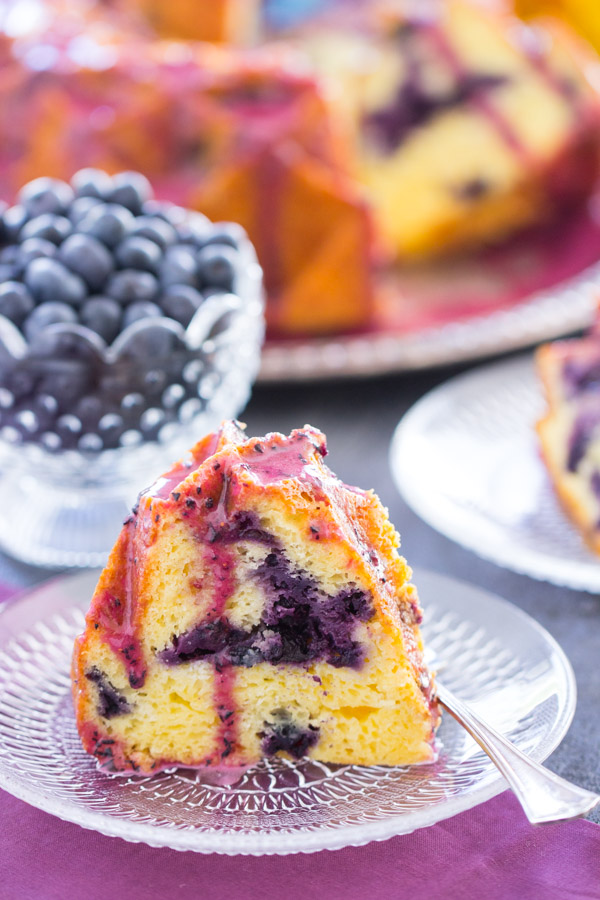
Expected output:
(487, 853)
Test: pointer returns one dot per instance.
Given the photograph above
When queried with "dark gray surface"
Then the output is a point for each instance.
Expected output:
(359, 419)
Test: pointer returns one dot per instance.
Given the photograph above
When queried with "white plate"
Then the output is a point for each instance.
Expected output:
(549, 314)
(466, 459)
(493, 655)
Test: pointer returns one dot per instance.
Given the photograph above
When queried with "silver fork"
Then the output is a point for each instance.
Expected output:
(544, 796)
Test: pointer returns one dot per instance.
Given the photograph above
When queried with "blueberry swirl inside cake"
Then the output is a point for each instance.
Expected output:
(254, 605)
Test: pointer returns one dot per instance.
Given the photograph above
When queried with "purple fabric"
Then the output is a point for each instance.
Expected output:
(489, 852)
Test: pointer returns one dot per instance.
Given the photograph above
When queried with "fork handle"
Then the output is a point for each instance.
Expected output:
(544, 796)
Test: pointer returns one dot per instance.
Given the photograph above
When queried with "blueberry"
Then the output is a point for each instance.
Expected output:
(65, 380)
(21, 382)
(132, 405)
(102, 315)
(3, 232)
(90, 443)
(109, 222)
(155, 381)
(34, 248)
(171, 213)
(6, 398)
(155, 229)
(45, 407)
(92, 183)
(68, 428)
(130, 285)
(13, 219)
(10, 255)
(110, 428)
(88, 258)
(194, 230)
(48, 226)
(229, 233)
(144, 309)
(68, 423)
(45, 195)
(9, 272)
(80, 207)
(26, 421)
(89, 410)
(51, 313)
(51, 441)
(172, 396)
(153, 341)
(150, 422)
(138, 253)
(16, 302)
(131, 189)
(217, 266)
(49, 280)
(179, 266)
(180, 302)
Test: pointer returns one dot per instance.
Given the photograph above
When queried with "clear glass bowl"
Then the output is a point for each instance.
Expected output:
(68, 482)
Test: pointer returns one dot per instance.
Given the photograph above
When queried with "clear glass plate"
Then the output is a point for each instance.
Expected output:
(543, 316)
(492, 654)
(466, 459)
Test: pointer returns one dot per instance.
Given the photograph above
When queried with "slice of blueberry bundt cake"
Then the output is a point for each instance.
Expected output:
(569, 433)
(254, 604)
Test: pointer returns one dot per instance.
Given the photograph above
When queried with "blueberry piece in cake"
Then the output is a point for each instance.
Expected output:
(569, 432)
(254, 605)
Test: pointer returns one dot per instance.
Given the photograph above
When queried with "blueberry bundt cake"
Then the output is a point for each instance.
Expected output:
(254, 605)
(376, 142)
(244, 136)
(569, 433)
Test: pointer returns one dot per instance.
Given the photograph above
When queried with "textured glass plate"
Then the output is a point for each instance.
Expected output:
(492, 655)
(549, 314)
(466, 459)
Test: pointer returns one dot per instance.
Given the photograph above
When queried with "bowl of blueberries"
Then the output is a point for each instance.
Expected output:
(129, 326)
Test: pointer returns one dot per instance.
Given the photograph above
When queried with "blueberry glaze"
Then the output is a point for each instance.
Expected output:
(300, 624)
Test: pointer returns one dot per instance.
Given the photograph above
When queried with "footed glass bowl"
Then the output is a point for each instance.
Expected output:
(85, 426)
